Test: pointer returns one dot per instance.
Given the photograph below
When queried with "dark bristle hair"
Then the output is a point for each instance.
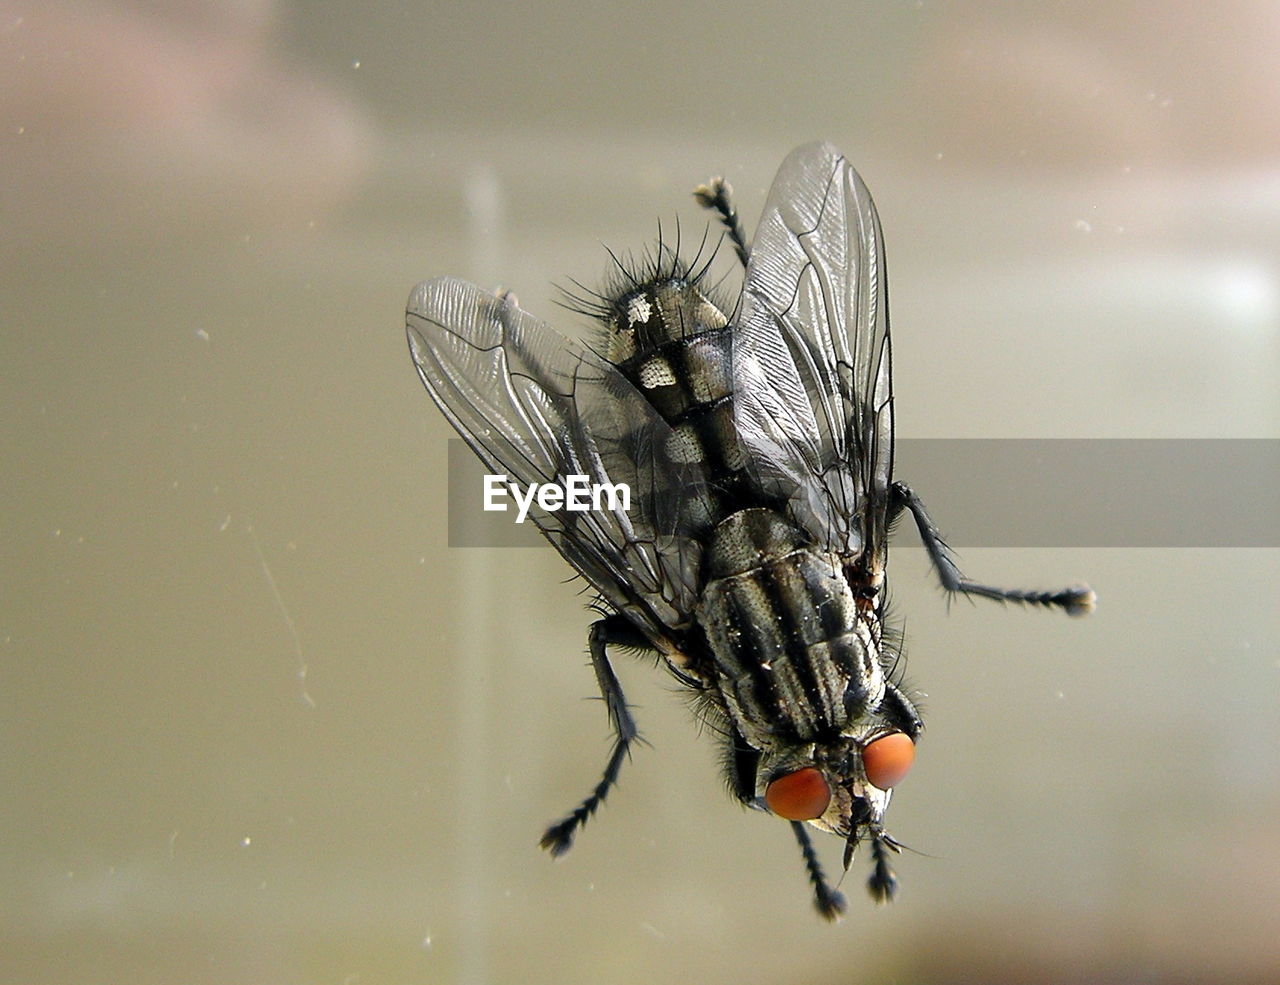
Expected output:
(708, 715)
(893, 644)
(658, 264)
(893, 657)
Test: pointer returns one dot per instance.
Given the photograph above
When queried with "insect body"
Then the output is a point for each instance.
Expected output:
(758, 448)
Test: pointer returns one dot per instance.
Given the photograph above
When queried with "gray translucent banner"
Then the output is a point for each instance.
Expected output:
(1024, 493)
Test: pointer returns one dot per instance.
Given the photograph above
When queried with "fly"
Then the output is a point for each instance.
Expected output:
(757, 443)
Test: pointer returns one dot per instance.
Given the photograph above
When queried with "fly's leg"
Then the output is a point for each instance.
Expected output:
(1076, 600)
(898, 710)
(830, 902)
(741, 763)
(612, 629)
(882, 883)
(717, 195)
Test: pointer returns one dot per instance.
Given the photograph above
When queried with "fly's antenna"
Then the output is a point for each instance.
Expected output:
(717, 195)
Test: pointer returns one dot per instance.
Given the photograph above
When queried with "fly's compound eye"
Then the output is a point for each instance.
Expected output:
(799, 796)
(887, 759)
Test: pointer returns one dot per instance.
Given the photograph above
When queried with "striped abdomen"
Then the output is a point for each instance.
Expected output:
(688, 382)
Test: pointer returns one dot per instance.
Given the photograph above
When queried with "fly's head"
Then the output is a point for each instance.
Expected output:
(843, 787)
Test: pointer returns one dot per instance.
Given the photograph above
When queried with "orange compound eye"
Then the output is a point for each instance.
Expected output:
(888, 759)
(799, 796)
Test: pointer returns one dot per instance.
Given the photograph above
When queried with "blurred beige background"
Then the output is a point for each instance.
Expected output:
(261, 725)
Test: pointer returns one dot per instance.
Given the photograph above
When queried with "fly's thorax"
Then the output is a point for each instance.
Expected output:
(796, 658)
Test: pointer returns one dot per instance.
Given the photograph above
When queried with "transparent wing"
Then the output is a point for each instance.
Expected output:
(538, 407)
(812, 361)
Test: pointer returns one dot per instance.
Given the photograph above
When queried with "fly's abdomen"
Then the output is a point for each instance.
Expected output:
(794, 659)
(688, 382)
(675, 346)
